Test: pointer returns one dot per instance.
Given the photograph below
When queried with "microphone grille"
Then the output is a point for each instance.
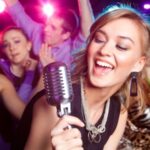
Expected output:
(57, 81)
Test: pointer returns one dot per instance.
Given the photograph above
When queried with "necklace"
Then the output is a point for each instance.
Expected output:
(94, 133)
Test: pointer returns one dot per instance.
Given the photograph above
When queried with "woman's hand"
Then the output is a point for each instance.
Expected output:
(64, 137)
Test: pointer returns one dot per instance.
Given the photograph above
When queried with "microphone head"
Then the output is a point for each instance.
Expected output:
(57, 81)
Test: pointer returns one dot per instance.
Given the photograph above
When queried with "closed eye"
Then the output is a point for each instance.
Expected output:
(17, 41)
(98, 40)
(5, 45)
(121, 47)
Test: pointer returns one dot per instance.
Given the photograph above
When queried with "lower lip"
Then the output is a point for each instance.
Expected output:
(15, 55)
(101, 71)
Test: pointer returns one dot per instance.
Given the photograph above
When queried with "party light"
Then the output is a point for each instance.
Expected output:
(2, 6)
(146, 6)
(48, 9)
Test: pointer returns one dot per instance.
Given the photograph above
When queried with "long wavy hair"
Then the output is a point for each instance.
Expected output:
(121, 11)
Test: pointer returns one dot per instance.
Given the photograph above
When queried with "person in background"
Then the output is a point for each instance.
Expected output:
(14, 105)
(106, 82)
(18, 65)
(59, 33)
(21, 69)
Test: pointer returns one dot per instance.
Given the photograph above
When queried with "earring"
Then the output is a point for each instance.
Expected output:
(133, 85)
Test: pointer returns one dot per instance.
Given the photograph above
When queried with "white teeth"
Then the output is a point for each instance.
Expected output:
(103, 64)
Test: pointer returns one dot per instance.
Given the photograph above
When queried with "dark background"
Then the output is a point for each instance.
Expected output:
(33, 7)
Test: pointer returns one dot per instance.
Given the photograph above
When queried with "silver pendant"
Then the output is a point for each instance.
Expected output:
(93, 137)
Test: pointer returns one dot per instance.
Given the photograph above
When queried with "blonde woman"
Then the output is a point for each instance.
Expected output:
(108, 69)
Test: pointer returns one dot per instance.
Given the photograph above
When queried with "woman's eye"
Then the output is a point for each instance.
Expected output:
(122, 47)
(17, 41)
(5, 45)
(99, 40)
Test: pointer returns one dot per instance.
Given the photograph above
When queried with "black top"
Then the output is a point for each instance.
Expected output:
(111, 123)
(25, 123)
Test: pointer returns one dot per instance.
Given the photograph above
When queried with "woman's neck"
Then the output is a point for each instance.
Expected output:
(17, 70)
(92, 101)
(97, 96)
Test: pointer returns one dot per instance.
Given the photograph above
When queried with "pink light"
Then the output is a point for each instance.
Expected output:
(2, 6)
(48, 9)
(146, 6)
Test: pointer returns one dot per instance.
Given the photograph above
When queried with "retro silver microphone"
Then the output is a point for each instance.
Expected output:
(58, 86)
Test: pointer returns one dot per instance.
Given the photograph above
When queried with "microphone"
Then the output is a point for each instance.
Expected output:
(58, 86)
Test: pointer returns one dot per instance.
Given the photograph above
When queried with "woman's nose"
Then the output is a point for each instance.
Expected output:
(47, 28)
(106, 49)
(11, 47)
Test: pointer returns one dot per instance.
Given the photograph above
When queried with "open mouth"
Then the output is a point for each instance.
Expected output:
(15, 55)
(101, 67)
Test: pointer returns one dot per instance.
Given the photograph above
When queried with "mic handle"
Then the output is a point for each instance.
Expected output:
(63, 109)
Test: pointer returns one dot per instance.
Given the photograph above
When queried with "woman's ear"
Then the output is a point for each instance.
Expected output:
(29, 46)
(140, 64)
(66, 35)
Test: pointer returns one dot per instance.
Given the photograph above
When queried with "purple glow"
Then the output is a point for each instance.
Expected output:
(146, 6)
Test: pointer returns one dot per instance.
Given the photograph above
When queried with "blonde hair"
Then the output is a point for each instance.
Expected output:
(104, 18)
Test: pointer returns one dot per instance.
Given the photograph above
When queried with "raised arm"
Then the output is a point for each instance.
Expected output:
(19, 16)
(31, 73)
(10, 98)
(86, 15)
(47, 128)
(10, 2)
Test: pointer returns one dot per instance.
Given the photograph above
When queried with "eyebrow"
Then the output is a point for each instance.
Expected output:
(127, 38)
(13, 38)
(122, 37)
(100, 31)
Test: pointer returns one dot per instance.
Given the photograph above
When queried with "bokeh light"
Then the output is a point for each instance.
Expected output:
(48, 9)
(2, 6)
(146, 6)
